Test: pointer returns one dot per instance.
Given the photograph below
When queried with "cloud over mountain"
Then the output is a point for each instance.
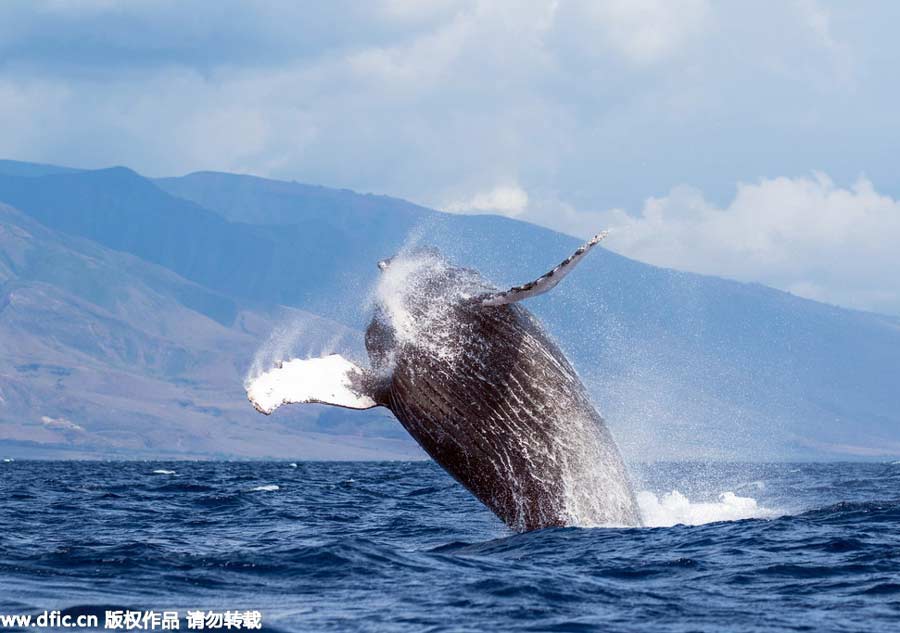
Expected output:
(804, 235)
(552, 112)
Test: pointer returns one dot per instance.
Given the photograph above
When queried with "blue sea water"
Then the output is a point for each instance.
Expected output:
(402, 547)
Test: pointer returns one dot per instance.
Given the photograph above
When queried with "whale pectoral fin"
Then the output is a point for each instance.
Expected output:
(330, 380)
(545, 282)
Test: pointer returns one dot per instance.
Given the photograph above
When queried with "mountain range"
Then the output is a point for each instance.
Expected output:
(131, 310)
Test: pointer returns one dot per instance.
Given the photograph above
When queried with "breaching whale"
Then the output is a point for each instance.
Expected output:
(474, 378)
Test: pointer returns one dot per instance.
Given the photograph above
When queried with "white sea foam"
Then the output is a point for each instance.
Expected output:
(293, 465)
(162, 471)
(673, 508)
(266, 488)
(8, 460)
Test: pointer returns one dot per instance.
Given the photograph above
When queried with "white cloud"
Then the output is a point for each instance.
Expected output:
(804, 235)
(641, 31)
(61, 424)
(410, 99)
(550, 111)
(508, 200)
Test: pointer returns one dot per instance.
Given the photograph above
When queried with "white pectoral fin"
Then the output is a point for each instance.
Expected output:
(328, 380)
(545, 282)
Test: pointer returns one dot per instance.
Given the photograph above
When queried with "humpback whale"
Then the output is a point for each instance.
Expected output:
(473, 377)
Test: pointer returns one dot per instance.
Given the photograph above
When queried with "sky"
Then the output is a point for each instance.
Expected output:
(752, 140)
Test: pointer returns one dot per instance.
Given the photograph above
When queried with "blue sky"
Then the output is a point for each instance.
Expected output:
(753, 140)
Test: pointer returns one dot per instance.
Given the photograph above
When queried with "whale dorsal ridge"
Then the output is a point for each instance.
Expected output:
(546, 281)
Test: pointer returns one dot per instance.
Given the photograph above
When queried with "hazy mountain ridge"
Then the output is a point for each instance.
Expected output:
(715, 366)
(681, 364)
(237, 198)
(104, 354)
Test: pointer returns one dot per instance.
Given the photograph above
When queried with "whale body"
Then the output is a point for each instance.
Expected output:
(473, 377)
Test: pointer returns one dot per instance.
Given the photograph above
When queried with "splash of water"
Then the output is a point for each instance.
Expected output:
(293, 338)
(674, 508)
(418, 315)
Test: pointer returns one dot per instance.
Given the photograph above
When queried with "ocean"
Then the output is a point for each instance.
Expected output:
(402, 547)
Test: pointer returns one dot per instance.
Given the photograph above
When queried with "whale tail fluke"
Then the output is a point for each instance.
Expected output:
(546, 281)
(330, 380)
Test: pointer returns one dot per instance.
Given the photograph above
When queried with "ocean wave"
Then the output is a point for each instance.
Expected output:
(850, 511)
(406, 544)
(266, 488)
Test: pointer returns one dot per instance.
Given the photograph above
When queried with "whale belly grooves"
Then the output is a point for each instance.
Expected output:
(507, 416)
